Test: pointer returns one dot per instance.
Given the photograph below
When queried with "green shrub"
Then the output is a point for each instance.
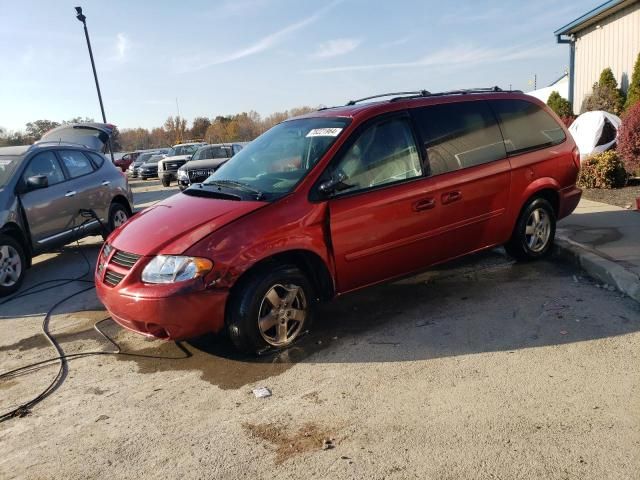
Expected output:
(602, 170)
(633, 94)
(561, 106)
(605, 96)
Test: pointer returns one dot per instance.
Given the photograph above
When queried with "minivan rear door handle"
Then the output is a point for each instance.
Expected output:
(424, 204)
(451, 197)
(70, 193)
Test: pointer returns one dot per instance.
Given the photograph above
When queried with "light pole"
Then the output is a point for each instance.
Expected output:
(83, 19)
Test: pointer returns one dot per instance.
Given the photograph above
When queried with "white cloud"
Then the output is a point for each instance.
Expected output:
(122, 45)
(334, 48)
(395, 43)
(452, 56)
(265, 43)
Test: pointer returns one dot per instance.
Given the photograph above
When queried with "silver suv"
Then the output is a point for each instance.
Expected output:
(56, 191)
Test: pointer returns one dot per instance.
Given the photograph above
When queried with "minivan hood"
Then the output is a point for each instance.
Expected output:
(177, 223)
(92, 135)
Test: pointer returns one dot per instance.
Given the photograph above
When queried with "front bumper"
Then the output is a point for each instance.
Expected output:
(170, 311)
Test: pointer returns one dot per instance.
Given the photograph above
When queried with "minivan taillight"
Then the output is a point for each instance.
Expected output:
(576, 157)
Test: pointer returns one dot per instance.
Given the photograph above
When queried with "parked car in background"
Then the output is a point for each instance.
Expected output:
(126, 160)
(205, 161)
(133, 168)
(336, 200)
(50, 192)
(178, 156)
(149, 169)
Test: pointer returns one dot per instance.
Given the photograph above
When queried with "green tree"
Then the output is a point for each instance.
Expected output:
(605, 96)
(561, 106)
(36, 129)
(633, 94)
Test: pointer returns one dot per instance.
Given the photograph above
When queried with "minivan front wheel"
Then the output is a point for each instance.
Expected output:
(12, 265)
(534, 232)
(269, 309)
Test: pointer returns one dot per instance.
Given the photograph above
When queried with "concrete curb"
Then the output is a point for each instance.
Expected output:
(599, 267)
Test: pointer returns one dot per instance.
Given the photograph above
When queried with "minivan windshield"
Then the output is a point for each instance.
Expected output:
(8, 165)
(277, 160)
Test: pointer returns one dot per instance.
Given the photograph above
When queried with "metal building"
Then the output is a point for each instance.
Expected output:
(607, 36)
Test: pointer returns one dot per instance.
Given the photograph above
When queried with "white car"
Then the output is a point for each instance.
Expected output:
(178, 156)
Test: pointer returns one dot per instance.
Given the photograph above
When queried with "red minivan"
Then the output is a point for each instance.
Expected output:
(337, 200)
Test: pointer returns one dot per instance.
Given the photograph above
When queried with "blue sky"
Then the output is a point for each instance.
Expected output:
(223, 57)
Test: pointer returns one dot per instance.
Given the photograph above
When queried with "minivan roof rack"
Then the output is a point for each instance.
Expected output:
(419, 93)
(425, 93)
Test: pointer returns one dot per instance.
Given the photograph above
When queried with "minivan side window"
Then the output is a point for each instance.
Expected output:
(525, 126)
(76, 163)
(46, 164)
(459, 135)
(384, 153)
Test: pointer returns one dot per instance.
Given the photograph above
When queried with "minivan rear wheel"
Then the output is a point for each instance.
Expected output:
(12, 265)
(534, 232)
(269, 309)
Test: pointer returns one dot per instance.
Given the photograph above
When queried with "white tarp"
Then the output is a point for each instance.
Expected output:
(592, 132)
(561, 86)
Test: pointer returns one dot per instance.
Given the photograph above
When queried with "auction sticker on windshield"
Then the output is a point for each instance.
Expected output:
(324, 132)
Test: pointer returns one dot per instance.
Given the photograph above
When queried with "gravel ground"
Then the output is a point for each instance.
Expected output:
(479, 369)
(622, 197)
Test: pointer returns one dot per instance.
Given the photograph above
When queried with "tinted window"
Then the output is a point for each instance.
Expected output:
(525, 126)
(459, 135)
(384, 153)
(76, 163)
(46, 164)
(97, 158)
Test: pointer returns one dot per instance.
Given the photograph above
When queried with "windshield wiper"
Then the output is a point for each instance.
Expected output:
(198, 190)
(259, 194)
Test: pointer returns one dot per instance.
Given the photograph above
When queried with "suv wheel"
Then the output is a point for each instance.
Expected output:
(118, 214)
(12, 265)
(534, 232)
(270, 309)
(166, 181)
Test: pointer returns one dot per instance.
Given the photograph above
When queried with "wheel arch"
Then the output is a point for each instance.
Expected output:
(546, 188)
(122, 200)
(14, 231)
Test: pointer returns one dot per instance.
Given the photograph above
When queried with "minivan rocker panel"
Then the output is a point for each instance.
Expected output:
(340, 199)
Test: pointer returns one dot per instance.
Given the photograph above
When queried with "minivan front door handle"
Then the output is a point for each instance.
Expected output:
(424, 204)
(451, 197)
(105, 183)
(70, 193)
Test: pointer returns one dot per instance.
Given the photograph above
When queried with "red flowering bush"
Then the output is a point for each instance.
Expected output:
(629, 139)
(602, 170)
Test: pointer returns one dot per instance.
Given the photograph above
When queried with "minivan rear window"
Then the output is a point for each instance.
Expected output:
(459, 135)
(526, 126)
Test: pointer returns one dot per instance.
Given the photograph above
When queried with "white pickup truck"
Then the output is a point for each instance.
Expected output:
(178, 156)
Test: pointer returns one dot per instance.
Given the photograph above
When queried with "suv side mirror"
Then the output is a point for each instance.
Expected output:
(37, 181)
(336, 182)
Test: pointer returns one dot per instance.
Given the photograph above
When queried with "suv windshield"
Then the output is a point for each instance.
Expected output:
(277, 160)
(207, 152)
(7, 167)
(183, 150)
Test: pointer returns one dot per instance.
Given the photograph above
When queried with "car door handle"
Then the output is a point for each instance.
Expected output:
(451, 197)
(424, 204)
(105, 183)
(70, 193)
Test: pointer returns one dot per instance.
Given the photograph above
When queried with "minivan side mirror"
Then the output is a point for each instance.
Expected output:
(37, 181)
(334, 183)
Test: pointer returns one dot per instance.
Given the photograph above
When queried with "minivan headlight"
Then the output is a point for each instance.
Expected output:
(174, 268)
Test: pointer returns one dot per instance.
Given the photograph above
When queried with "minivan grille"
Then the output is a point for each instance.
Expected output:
(124, 259)
(112, 278)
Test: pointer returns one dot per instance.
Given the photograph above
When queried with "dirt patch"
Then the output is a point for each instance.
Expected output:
(313, 397)
(622, 197)
(308, 438)
(38, 340)
(7, 384)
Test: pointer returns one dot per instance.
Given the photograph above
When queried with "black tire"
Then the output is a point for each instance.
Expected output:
(166, 181)
(118, 214)
(525, 245)
(12, 261)
(249, 302)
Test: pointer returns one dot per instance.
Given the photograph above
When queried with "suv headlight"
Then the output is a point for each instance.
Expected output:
(182, 174)
(173, 268)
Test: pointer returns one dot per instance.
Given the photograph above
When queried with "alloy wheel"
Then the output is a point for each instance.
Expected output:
(282, 314)
(538, 230)
(119, 218)
(10, 266)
